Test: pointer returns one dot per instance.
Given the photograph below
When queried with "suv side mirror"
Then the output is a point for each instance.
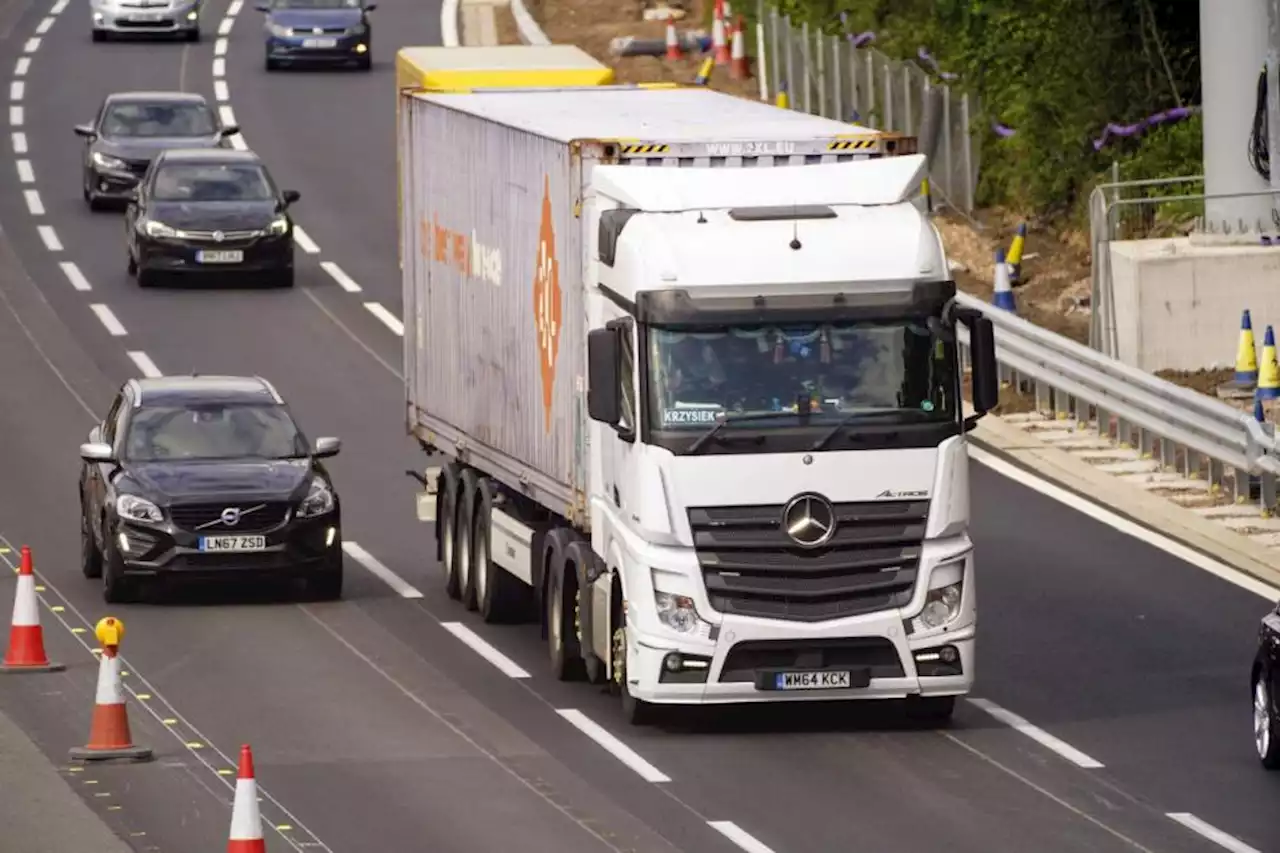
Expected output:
(86, 130)
(604, 403)
(290, 196)
(262, 7)
(97, 452)
(229, 130)
(986, 371)
(326, 447)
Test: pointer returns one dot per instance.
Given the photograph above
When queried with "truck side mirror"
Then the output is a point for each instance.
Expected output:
(604, 402)
(986, 372)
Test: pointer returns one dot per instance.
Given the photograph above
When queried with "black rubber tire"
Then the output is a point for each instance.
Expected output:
(365, 64)
(635, 711)
(116, 589)
(501, 597)
(271, 64)
(1270, 758)
(326, 585)
(284, 279)
(932, 711)
(192, 35)
(566, 664)
(132, 267)
(446, 522)
(90, 556)
(99, 36)
(465, 557)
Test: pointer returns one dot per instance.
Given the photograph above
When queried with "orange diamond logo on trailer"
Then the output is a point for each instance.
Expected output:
(546, 302)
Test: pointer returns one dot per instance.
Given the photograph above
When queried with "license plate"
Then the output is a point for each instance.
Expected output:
(146, 17)
(810, 680)
(232, 543)
(320, 43)
(220, 257)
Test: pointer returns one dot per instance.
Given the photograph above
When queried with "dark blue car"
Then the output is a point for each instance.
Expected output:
(308, 32)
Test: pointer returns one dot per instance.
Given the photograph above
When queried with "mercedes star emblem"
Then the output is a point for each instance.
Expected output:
(810, 520)
(231, 516)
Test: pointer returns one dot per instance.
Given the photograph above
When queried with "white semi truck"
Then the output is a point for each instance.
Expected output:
(687, 366)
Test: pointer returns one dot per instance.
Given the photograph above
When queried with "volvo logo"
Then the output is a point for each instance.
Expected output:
(218, 236)
(810, 520)
(231, 516)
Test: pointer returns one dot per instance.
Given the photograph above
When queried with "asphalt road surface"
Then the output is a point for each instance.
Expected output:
(375, 722)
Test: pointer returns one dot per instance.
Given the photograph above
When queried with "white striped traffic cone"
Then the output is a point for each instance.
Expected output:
(738, 54)
(26, 638)
(673, 42)
(1002, 293)
(109, 735)
(246, 821)
(718, 37)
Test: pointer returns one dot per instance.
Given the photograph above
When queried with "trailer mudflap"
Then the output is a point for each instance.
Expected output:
(425, 501)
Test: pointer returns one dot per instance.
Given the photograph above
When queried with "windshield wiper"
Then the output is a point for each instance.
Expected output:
(733, 418)
(853, 416)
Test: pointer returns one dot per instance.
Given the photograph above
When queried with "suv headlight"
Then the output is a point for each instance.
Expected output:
(158, 229)
(106, 161)
(134, 508)
(279, 31)
(278, 227)
(318, 501)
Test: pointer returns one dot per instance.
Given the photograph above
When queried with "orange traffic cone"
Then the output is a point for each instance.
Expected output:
(718, 37)
(246, 822)
(26, 637)
(673, 42)
(738, 54)
(109, 735)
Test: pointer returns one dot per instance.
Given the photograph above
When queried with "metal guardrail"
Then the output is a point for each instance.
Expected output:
(1198, 436)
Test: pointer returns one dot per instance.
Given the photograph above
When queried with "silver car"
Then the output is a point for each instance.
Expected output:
(146, 17)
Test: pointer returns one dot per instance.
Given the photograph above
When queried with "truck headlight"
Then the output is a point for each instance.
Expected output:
(318, 501)
(676, 612)
(133, 508)
(941, 606)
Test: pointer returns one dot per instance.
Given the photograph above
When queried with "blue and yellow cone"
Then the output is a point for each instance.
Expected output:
(782, 100)
(1246, 355)
(1268, 369)
(1002, 294)
(1015, 254)
(704, 73)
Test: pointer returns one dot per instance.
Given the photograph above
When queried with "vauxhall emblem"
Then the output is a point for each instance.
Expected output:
(810, 520)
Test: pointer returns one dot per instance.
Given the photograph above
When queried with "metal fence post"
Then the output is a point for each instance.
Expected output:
(967, 152)
(836, 76)
(818, 38)
(773, 51)
(806, 59)
(908, 115)
(786, 33)
(887, 74)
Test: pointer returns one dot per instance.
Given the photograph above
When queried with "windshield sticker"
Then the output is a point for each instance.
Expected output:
(691, 413)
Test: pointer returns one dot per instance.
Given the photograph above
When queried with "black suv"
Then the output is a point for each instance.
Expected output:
(206, 477)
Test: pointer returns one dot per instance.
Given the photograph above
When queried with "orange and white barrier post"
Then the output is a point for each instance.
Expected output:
(673, 42)
(109, 735)
(738, 56)
(718, 37)
(246, 821)
(26, 638)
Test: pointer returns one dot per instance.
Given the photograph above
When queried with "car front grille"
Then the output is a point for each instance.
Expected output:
(194, 517)
(751, 567)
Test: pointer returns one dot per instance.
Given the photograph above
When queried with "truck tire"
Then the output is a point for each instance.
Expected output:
(446, 522)
(566, 663)
(579, 559)
(636, 712)
(465, 557)
(931, 711)
(500, 595)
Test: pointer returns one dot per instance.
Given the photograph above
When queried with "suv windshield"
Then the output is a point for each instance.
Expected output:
(212, 182)
(843, 369)
(155, 120)
(213, 431)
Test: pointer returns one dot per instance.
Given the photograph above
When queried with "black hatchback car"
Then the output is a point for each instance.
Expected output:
(1265, 684)
(211, 212)
(206, 477)
(131, 128)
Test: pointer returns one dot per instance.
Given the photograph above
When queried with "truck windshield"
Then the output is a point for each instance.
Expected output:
(892, 371)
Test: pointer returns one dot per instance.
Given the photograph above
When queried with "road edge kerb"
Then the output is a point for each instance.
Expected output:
(1181, 525)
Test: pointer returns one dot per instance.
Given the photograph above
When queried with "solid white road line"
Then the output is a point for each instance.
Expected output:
(344, 281)
(739, 836)
(1217, 836)
(21, 67)
(304, 241)
(220, 47)
(16, 116)
(73, 274)
(234, 8)
(26, 174)
(43, 26)
(1037, 734)
(391, 321)
(1124, 525)
(50, 238)
(114, 326)
(226, 115)
(34, 204)
(612, 745)
(59, 7)
(16, 90)
(220, 90)
(225, 25)
(32, 45)
(220, 67)
(370, 562)
(145, 364)
(480, 646)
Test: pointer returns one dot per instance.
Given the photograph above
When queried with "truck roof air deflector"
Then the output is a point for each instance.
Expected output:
(611, 224)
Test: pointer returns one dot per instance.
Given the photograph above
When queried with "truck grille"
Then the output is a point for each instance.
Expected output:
(192, 516)
(873, 653)
(751, 567)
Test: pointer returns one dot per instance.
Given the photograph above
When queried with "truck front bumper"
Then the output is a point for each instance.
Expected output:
(744, 659)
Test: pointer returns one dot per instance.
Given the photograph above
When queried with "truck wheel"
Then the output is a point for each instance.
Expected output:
(635, 711)
(465, 557)
(931, 710)
(446, 518)
(566, 665)
(500, 595)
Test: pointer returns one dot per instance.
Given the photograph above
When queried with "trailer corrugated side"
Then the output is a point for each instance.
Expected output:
(495, 247)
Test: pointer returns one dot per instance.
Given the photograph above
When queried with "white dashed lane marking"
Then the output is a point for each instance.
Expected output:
(34, 204)
(22, 66)
(224, 28)
(402, 587)
(220, 47)
(43, 26)
(32, 45)
(739, 836)
(19, 142)
(226, 115)
(26, 174)
(482, 647)
(17, 89)
(391, 321)
(73, 274)
(145, 364)
(344, 281)
(1037, 734)
(220, 90)
(1224, 840)
(305, 243)
(219, 67)
(16, 116)
(50, 238)
(108, 319)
